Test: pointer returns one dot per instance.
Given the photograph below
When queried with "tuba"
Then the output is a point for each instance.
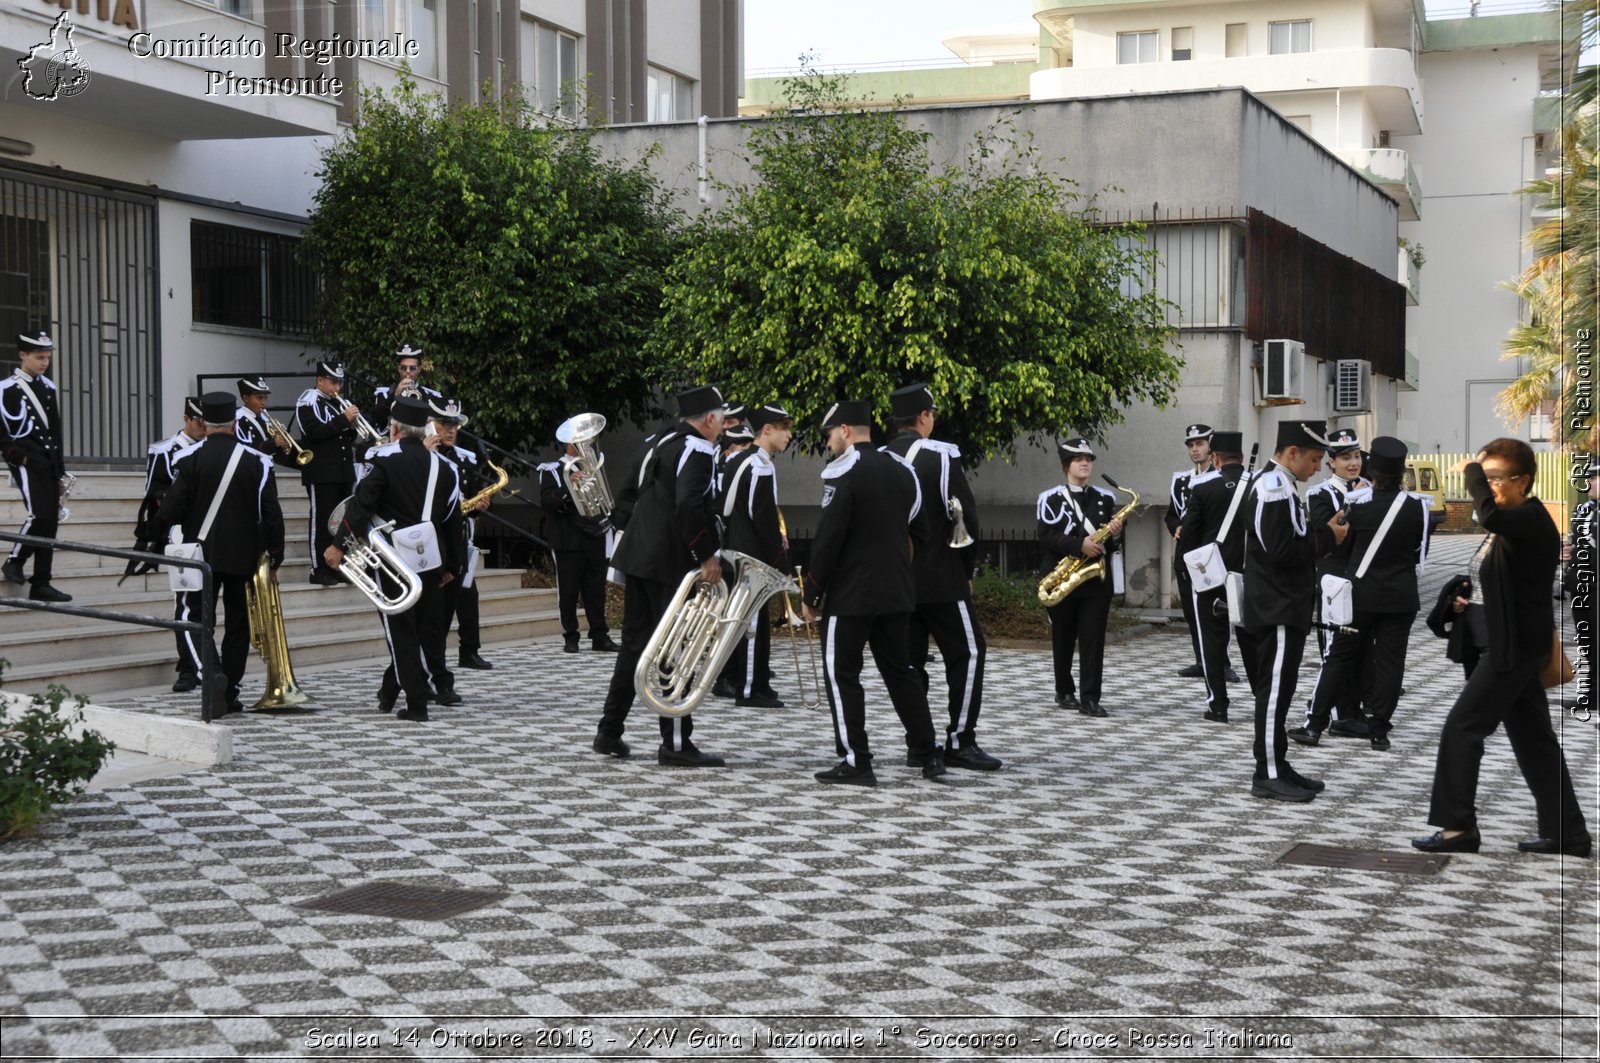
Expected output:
(1074, 572)
(585, 475)
(364, 559)
(702, 625)
(268, 637)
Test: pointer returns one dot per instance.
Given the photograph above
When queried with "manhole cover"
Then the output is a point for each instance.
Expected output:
(399, 900)
(1365, 859)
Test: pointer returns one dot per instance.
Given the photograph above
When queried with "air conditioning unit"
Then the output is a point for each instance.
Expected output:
(1283, 370)
(1352, 386)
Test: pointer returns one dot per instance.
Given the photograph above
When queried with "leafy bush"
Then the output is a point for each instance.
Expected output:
(41, 764)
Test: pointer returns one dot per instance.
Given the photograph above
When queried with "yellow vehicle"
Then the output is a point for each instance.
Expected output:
(1422, 478)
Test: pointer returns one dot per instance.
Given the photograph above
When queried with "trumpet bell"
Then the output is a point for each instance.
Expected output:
(580, 428)
(302, 457)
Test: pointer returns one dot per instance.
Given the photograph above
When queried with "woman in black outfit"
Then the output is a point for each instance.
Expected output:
(1509, 617)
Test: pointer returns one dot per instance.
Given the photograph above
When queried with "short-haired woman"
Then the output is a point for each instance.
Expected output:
(1510, 620)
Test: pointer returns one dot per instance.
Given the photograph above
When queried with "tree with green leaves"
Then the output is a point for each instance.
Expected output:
(852, 266)
(525, 265)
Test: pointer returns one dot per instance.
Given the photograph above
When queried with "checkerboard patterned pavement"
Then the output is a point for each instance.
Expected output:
(1116, 876)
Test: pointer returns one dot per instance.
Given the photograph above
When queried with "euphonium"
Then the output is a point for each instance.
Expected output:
(699, 631)
(1074, 572)
(363, 560)
(585, 474)
(501, 478)
(302, 456)
(268, 637)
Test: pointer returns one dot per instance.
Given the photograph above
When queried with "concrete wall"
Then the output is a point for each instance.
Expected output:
(674, 38)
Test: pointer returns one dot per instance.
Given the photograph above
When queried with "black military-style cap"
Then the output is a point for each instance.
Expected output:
(446, 410)
(911, 400)
(1388, 456)
(759, 417)
(1197, 432)
(218, 407)
(1343, 441)
(743, 432)
(191, 409)
(410, 411)
(331, 370)
(697, 402)
(1076, 447)
(253, 386)
(38, 340)
(848, 412)
(732, 410)
(1308, 435)
(1227, 442)
(407, 351)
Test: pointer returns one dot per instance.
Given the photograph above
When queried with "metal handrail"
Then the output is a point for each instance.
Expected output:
(205, 626)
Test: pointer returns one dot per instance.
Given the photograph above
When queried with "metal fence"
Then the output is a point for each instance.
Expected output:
(1552, 484)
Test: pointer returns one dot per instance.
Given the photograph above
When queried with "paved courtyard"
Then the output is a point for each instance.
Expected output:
(1114, 891)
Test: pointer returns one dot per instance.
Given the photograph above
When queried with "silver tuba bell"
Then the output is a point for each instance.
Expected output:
(959, 536)
(68, 482)
(585, 474)
(364, 559)
(700, 630)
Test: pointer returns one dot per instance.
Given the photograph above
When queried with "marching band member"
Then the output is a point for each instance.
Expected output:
(31, 436)
(159, 474)
(330, 434)
(749, 508)
(665, 513)
(461, 595)
(251, 421)
(943, 575)
(247, 522)
(408, 363)
(1068, 516)
(1323, 500)
(579, 545)
(1197, 437)
(1210, 498)
(861, 586)
(409, 484)
(1280, 587)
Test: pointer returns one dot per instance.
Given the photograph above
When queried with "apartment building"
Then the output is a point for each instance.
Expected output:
(158, 159)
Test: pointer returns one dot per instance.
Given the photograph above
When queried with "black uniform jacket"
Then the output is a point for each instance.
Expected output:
(329, 436)
(158, 476)
(1517, 574)
(249, 521)
(1183, 484)
(1281, 552)
(24, 437)
(396, 489)
(748, 507)
(383, 401)
(861, 554)
(1390, 585)
(1062, 533)
(942, 573)
(1210, 495)
(252, 431)
(1323, 500)
(666, 507)
(564, 527)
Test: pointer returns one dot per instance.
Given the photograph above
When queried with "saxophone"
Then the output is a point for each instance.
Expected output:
(1074, 572)
(501, 478)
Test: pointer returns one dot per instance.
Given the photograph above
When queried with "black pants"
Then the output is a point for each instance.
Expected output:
(1278, 653)
(41, 494)
(235, 615)
(466, 614)
(187, 607)
(1515, 698)
(582, 574)
(1180, 572)
(843, 640)
(644, 603)
(1079, 623)
(954, 628)
(1210, 610)
(750, 667)
(1374, 658)
(324, 497)
(413, 661)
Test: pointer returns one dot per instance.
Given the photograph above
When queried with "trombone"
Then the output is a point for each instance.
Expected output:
(793, 620)
(302, 456)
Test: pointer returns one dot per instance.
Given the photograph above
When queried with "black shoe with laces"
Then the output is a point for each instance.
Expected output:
(971, 758)
(43, 592)
(846, 773)
(185, 682)
(604, 644)
(608, 746)
(687, 757)
(1194, 671)
(470, 659)
(12, 570)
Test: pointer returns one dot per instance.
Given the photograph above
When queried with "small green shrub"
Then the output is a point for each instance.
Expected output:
(41, 764)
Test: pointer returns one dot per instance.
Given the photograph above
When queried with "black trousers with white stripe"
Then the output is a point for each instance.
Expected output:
(324, 497)
(844, 640)
(953, 627)
(187, 607)
(1180, 572)
(750, 667)
(406, 633)
(1278, 654)
(644, 603)
(1210, 609)
(1079, 623)
(465, 609)
(41, 494)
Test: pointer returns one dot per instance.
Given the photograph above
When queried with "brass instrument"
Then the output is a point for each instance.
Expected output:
(363, 559)
(1074, 572)
(585, 475)
(698, 633)
(269, 639)
(793, 620)
(959, 536)
(302, 456)
(68, 482)
(501, 478)
(367, 434)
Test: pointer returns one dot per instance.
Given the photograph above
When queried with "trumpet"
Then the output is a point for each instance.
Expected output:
(363, 560)
(585, 474)
(302, 456)
(368, 434)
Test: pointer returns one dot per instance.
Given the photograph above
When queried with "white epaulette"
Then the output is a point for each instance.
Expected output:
(380, 393)
(1274, 486)
(472, 459)
(185, 451)
(1044, 499)
(842, 464)
(699, 444)
(384, 451)
(1205, 477)
(1358, 496)
(949, 450)
(307, 397)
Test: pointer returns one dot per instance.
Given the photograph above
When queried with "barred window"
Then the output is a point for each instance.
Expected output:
(247, 279)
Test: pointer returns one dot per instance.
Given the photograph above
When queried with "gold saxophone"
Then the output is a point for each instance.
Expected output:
(1074, 572)
(268, 637)
(501, 478)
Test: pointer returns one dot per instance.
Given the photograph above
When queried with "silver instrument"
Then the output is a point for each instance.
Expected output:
(368, 434)
(68, 482)
(585, 474)
(364, 559)
(701, 627)
(959, 536)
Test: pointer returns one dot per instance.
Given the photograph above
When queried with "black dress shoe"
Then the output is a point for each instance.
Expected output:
(1305, 782)
(604, 644)
(1067, 701)
(1233, 677)
(687, 757)
(386, 700)
(1305, 736)
(470, 659)
(231, 707)
(611, 747)
(932, 764)
(1194, 671)
(1215, 715)
(1360, 727)
(1281, 790)
(570, 644)
(1465, 842)
(1579, 846)
(844, 772)
(12, 570)
(972, 758)
(185, 682)
(1380, 742)
(1091, 707)
(724, 689)
(414, 715)
(446, 697)
(43, 592)
(758, 700)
